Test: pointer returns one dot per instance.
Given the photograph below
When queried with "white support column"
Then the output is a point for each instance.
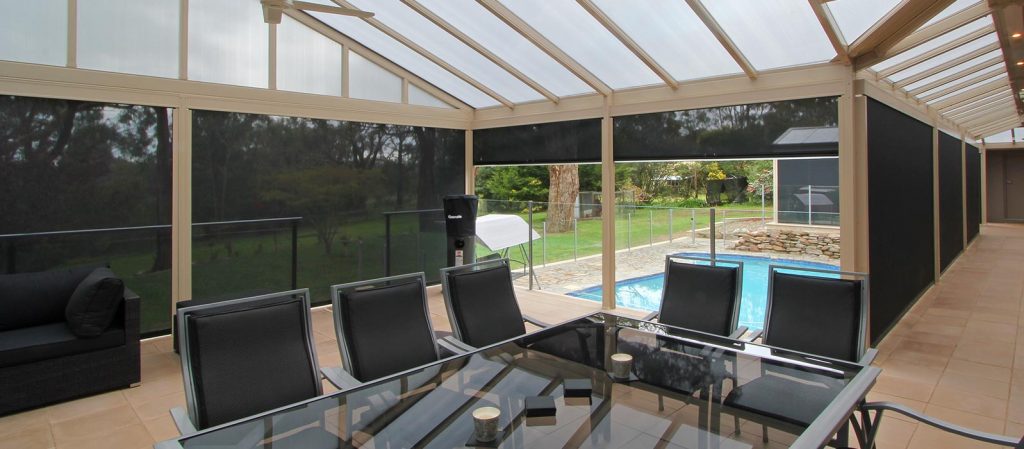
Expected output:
(853, 186)
(345, 71)
(181, 207)
(72, 33)
(607, 210)
(775, 191)
(272, 56)
(937, 229)
(470, 169)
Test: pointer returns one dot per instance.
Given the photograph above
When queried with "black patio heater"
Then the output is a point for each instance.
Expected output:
(460, 224)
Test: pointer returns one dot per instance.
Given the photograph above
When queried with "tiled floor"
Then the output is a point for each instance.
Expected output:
(958, 355)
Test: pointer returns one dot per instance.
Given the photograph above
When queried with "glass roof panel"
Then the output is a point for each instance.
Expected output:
(854, 17)
(228, 43)
(955, 7)
(934, 43)
(35, 32)
(384, 45)
(945, 57)
(1010, 135)
(423, 98)
(153, 26)
(307, 61)
(423, 32)
(773, 33)
(370, 81)
(955, 69)
(566, 24)
(673, 35)
(487, 30)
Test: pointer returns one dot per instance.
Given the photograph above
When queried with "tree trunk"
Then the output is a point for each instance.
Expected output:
(562, 194)
(162, 261)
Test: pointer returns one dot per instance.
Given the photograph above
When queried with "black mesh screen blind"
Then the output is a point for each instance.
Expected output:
(546, 143)
(900, 213)
(951, 199)
(973, 165)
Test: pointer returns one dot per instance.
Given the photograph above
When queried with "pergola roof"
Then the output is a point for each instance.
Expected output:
(957, 59)
(503, 53)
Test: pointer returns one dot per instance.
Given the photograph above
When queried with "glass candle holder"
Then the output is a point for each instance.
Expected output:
(622, 364)
(485, 423)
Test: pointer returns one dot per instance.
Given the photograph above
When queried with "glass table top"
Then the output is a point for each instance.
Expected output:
(686, 389)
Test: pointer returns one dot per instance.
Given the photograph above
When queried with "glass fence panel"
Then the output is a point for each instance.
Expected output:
(415, 241)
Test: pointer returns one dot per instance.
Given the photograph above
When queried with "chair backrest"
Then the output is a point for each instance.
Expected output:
(815, 314)
(481, 302)
(383, 325)
(705, 298)
(246, 356)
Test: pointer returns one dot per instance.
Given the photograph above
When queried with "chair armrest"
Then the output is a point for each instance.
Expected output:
(129, 294)
(182, 421)
(868, 357)
(940, 424)
(339, 377)
(454, 346)
(754, 335)
(535, 321)
(650, 316)
(738, 333)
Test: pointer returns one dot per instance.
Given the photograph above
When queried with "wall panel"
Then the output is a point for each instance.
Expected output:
(951, 199)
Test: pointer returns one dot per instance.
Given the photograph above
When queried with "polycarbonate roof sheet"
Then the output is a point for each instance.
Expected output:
(816, 134)
(35, 32)
(946, 57)
(973, 78)
(673, 35)
(934, 43)
(384, 45)
(1006, 136)
(489, 31)
(854, 17)
(434, 39)
(967, 88)
(578, 34)
(773, 33)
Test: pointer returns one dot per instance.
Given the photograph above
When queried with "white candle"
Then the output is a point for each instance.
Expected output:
(485, 423)
(621, 365)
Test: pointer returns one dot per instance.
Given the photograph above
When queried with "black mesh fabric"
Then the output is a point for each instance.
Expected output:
(249, 358)
(387, 330)
(699, 297)
(484, 305)
(765, 395)
(814, 315)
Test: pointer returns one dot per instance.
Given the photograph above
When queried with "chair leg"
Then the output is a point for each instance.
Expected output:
(764, 433)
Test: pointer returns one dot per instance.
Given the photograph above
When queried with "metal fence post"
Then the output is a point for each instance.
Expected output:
(712, 236)
(544, 245)
(359, 258)
(809, 204)
(529, 236)
(763, 222)
(670, 225)
(650, 231)
(693, 226)
(575, 239)
(725, 228)
(629, 232)
(387, 244)
(295, 254)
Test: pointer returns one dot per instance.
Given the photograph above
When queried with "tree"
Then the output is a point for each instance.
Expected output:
(562, 194)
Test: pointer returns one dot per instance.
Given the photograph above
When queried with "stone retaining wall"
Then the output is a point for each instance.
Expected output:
(789, 242)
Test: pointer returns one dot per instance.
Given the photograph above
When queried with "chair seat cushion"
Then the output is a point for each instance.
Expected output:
(783, 399)
(50, 341)
(94, 303)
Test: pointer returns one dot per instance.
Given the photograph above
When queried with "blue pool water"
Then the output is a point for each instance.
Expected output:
(644, 292)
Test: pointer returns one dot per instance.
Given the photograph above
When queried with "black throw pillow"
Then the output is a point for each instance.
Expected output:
(92, 306)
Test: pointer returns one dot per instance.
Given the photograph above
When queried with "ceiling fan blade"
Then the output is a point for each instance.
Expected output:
(307, 6)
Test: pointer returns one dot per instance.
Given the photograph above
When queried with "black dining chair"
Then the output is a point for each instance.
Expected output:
(383, 327)
(815, 315)
(704, 298)
(246, 356)
(481, 302)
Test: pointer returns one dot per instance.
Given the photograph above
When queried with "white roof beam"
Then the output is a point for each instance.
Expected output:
(828, 24)
(538, 39)
(465, 39)
(430, 56)
(896, 25)
(720, 34)
(970, 37)
(997, 60)
(621, 35)
(925, 34)
(974, 74)
(948, 65)
(986, 76)
(975, 93)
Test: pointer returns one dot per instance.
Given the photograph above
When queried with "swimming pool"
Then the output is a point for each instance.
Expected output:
(644, 292)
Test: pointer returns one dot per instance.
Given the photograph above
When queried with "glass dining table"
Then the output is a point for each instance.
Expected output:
(685, 389)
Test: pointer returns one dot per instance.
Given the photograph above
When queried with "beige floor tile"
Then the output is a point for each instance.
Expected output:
(904, 388)
(19, 421)
(930, 438)
(1015, 410)
(894, 433)
(85, 406)
(969, 420)
(979, 405)
(996, 373)
(36, 436)
(975, 385)
(94, 424)
(983, 351)
(160, 406)
(161, 428)
(133, 436)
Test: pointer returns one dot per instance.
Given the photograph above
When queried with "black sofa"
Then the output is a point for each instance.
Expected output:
(65, 334)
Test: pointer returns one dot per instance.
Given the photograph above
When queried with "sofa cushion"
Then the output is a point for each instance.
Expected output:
(32, 299)
(92, 306)
(50, 341)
